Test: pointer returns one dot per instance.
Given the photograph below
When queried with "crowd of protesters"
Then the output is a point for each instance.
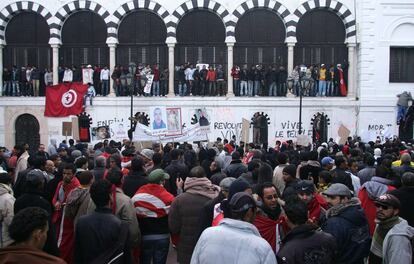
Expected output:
(221, 202)
(189, 80)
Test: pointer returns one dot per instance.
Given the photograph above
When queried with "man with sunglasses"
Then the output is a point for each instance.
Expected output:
(346, 221)
(392, 238)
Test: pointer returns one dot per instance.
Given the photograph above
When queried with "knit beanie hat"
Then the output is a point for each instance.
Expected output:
(238, 185)
(290, 169)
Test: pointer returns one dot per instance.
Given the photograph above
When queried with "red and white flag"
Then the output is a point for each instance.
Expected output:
(65, 99)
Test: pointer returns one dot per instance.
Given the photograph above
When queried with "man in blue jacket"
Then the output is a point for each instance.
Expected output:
(346, 221)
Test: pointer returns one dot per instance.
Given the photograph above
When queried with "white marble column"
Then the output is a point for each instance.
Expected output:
(290, 59)
(171, 69)
(55, 63)
(351, 70)
(230, 46)
(1, 69)
(112, 63)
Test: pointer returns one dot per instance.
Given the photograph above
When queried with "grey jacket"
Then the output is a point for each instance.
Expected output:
(403, 99)
(397, 246)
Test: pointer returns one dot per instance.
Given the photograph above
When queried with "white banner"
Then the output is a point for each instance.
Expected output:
(150, 79)
(193, 133)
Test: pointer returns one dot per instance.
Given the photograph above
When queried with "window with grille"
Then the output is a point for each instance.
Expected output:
(402, 64)
(84, 40)
(142, 37)
(27, 37)
(321, 39)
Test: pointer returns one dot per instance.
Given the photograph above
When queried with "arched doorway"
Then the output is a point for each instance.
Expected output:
(141, 36)
(260, 122)
(260, 39)
(200, 38)
(321, 39)
(27, 131)
(320, 123)
(84, 40)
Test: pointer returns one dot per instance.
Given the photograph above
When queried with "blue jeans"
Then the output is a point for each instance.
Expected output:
(272, 89)
(155, 251)
(236, 87)
(401, 111)
(105, 87)
(155, 88)
(182, 89)
(322, 88)
(256, 87)
(250, 88)
(243, 88)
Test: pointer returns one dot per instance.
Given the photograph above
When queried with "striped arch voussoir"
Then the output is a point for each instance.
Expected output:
(338, 8)
(190, 5)
(65, 11)
(22, 6)
(131, 6)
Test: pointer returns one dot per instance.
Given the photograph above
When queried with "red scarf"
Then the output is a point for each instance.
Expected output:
(269, 230)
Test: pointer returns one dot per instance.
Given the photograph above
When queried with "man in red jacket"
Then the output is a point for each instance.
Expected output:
(64, 227)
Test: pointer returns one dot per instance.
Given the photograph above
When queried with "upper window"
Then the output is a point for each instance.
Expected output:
(402, 64)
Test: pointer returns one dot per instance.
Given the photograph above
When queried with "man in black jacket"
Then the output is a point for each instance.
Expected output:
(101, 237)
(176, 169)
(406, 196)
(340, 175)
(304, 244)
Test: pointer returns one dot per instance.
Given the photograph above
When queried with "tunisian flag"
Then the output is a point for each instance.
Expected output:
(65, 99)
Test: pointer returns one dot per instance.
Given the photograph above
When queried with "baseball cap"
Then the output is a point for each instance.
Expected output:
(388, 200)
(338, 189)
(158, 175)
(305, 186)
(327, 160)
(242, 201)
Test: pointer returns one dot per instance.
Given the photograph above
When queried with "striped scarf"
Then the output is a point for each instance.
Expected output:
(380, 232)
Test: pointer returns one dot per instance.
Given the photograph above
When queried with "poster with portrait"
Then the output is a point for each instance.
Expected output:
(203, 119)
(118, 131)
(100, 133)
(158, 117)
(174, 121)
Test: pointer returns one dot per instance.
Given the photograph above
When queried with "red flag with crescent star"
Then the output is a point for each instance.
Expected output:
(65, 99)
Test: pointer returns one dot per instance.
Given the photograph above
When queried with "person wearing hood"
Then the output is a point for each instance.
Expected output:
(370, 191)
(392, 239)
(270, 221)
(6, 207)
(185, 211)
(236, 239)
(346, 221)
(52, 148)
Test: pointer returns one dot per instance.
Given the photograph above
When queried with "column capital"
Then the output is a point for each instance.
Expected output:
(291, 44)
(351, 45)
(112, 45)
(55, 46)
(230, 43)
(171, 45)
